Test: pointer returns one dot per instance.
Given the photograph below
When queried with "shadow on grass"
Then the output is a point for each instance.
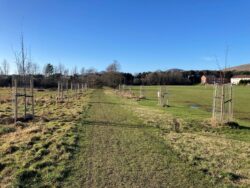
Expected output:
(116, 124)
(241, 127)
(110, 103)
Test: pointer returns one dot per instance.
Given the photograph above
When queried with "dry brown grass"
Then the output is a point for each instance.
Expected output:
(43, 145)
(128, 95)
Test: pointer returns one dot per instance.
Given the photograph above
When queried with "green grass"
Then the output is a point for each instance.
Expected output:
(220, 152)
(116, 149)
(196, 101)
(7, 129)
(105, 140)
(182, 99)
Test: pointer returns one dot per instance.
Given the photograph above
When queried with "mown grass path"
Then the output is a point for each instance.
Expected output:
(117, 150)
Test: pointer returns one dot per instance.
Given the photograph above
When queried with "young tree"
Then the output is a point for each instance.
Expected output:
(60, 68)
(91, 71)
(113, 67)
(66, 72)
(21, 60)
(112, 77)
(29, 67)
(82, 71)
(35, 68)
(74, 71)
(5, 67)
(48, 70)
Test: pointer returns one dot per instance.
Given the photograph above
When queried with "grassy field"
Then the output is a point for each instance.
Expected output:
(195, 102)
(220, 152)
(35, 153)
(119, 150)
(103, 139)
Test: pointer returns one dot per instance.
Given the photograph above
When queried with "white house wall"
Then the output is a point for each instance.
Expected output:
(236, 81)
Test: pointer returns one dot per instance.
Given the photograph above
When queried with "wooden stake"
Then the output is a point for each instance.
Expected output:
(62, 90)
(160, 96)
(67, 89)
(32, 96)
(25, 99)
(15, 101)
(214, 101)
(231, 104)
(141, 93)
(58, 90)
(222, 103)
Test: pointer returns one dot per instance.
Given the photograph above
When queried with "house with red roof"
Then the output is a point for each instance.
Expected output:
(237, 78)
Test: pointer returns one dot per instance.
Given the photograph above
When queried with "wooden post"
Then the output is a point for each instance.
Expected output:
(62, 90)
(230, 110)
(214, 101)
(222, 103)
(25, 99)
(160, 96)
(75, 89)
(32, 96)
(15, 101)
(67, 89)
(231, 104)
(141, 94)
(163, 99)
(58, 90)
(167, 96)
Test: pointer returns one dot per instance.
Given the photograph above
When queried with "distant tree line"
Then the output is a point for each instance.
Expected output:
(111, 77)
(49, 76)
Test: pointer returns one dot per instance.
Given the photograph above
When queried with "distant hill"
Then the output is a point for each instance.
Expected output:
(244, 67)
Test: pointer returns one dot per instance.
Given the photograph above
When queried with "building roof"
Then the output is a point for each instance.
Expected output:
(241, 76)
(209, 76)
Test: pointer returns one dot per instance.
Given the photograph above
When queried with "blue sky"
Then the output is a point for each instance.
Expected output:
(142, 35)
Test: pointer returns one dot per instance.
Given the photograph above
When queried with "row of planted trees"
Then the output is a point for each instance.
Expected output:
(222, 106)
(22, 85)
